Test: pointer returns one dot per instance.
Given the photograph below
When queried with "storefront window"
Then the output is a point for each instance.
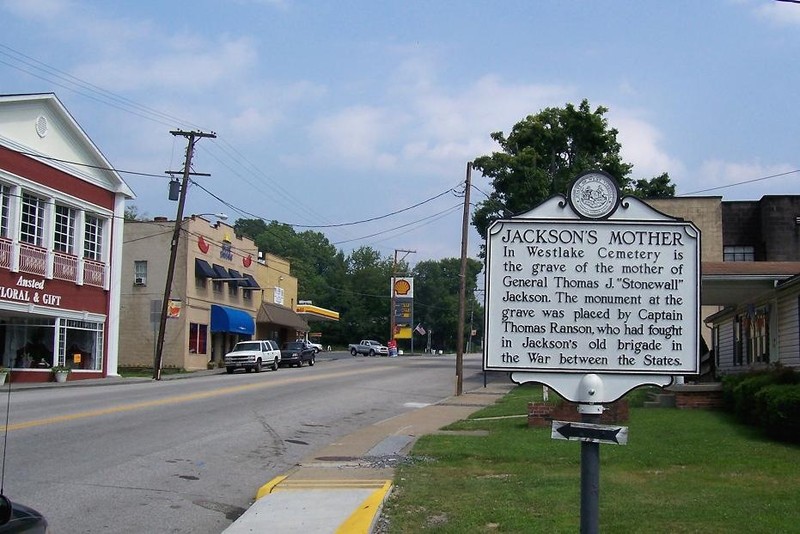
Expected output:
(81, 345)
(198, 338)
(27, 343)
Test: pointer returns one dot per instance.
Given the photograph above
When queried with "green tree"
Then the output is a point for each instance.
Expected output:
(132, 214)
(544, 153)
(366, 299)
(658, 187)
(436, 295)
(310, 254)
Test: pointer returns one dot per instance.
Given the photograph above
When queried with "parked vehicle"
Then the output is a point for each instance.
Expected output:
(316, 346)
(368, 347)
(253, 355)
(16, 517)
(296, 353)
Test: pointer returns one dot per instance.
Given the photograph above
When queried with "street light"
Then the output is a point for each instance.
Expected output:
(220, 216)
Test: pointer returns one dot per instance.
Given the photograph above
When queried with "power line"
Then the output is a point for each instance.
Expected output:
(435, 216)
(87, 89)
(98, 167)
(337, 225)
(742, 183)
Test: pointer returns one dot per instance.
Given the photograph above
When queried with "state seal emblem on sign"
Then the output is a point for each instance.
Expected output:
(594, 195)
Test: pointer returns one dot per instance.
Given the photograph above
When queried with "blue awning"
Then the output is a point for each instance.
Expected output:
(250, 283)
(221, 272)
(224, 319)
(202, 269)
(235, 274)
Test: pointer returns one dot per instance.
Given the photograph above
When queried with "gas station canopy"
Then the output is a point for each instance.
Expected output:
(311, 313)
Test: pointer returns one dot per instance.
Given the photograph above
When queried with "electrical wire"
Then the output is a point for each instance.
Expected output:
(87, 89)
(740, 183)
(435, 216)
(337, 225)
(98, 167)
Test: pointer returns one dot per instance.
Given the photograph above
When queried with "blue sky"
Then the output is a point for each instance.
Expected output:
(335, 112)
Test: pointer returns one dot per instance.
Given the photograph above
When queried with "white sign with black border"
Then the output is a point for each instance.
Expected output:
(593, 284)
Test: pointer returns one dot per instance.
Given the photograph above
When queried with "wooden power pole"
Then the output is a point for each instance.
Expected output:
(192, 137)
(462, 288)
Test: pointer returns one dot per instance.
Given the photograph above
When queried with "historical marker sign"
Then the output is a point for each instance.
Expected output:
(594, 285)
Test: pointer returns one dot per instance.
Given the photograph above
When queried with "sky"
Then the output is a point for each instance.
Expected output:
(331, 113)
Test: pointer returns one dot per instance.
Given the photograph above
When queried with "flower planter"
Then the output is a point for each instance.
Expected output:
(60, 376)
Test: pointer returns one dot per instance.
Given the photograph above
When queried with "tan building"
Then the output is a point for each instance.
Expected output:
(705, 213)
(223, 291)
(750, 281)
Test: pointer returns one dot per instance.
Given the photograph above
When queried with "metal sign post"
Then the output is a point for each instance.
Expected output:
(592, 295)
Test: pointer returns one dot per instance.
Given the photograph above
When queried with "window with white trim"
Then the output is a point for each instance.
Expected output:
(31, 229)
(81, 344)
(140, 272)
(5, 206)
(64, 238)
(93, 238)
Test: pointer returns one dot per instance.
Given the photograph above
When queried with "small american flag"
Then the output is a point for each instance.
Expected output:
(419, 329)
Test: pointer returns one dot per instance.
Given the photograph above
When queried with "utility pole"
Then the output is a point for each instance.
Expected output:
(192, 137)
(462, 288)
(392, 315)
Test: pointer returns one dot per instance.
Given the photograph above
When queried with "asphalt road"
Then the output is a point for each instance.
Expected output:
(188, 455)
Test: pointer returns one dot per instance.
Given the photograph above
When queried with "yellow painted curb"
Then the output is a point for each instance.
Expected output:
(267, 488)
(290, 484)
(361, 520)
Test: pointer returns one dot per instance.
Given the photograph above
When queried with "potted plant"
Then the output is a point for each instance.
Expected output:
(60, 372)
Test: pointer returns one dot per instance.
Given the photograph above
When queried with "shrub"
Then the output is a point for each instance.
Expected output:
(744, 393)
(778, 407)
(739, 391)
(729, 383)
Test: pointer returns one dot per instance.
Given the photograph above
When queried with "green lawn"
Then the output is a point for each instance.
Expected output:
(681, 471)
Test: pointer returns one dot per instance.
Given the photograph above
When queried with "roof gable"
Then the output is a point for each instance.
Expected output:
(40, 126)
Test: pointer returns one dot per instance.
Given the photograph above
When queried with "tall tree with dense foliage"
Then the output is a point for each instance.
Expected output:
(358, 285)
(310, 253)
(366, 299)
(436, 291)
(544, 153)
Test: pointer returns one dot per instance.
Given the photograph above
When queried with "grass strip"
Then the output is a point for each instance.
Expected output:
(682, 471)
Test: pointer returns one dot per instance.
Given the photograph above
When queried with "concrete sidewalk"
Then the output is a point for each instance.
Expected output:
(340, 489)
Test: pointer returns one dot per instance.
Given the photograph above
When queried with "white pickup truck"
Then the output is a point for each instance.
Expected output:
(253, 356)
(369, 347)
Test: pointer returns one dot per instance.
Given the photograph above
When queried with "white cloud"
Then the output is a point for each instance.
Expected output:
(186, 70)
(429, 128)
(641, 142)
(37, 9)
(779, 13)
(355, 137)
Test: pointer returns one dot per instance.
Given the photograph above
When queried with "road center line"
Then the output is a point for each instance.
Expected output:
(180, 399)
